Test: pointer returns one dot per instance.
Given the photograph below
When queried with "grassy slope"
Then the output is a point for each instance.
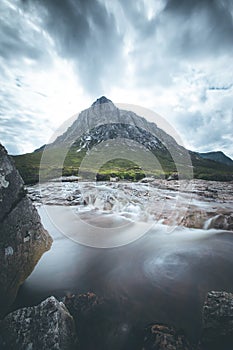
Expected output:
(211, 170)
(29, 166)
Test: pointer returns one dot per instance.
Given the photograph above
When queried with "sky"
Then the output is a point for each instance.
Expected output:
(171, 56)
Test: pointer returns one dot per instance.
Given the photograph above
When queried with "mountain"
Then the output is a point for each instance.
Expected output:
(104, 113)
(217, 157)
(105, 141)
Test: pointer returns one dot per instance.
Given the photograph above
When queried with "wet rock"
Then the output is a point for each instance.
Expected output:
(102, 177)
(101, 323)
(222, 221)
(162, 337)
(90, 315)
(114, 179)
(217, 321)
(173, 176)
(48, 325)
(147, 180)
(22, 237)
(196, 218)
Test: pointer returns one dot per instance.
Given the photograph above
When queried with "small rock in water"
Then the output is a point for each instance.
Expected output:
(162, 337)
(173, 176)
(101, 323)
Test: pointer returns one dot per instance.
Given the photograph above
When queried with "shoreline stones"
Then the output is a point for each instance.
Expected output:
(86, 322)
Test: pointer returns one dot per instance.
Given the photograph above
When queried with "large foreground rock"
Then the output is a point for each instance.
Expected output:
(48, 326)
(218, 321)
(23, 239)
(162, 337)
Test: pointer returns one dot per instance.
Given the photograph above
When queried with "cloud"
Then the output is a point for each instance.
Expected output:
(84, 32)
(200, 28)
(207, 124)
(38, 88)
(214, 129)
(183, 33)
(173, 56)
(20, 37)
(13, 127)
(178, 64)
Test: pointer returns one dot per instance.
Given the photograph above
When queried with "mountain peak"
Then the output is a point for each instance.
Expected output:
(101, 100)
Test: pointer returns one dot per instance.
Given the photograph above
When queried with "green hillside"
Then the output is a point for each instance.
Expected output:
(29, 167)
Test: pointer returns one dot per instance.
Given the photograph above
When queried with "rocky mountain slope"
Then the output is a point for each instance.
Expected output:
(112, 135)
(104, 112)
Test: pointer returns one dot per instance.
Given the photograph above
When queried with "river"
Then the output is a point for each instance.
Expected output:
(117, 242)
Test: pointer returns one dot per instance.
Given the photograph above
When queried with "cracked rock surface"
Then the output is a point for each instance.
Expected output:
(217, 320)
(48, 325)
(23, 239)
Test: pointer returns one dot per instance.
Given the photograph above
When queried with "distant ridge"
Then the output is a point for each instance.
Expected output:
(217, 156)
(40, 149)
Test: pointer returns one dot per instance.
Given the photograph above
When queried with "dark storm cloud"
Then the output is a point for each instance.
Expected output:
(13, 45)
(92, 36)
(18, 40)
(184, 32)
(221, 87)
(135, 12)
(189, 25)
(203, 26)
(86, 33)
(181, 50)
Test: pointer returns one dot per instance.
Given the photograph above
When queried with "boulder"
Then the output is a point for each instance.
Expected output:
(162, 337)
(101, 323)
(223, 221)
(217, 321)
(23, 239)
(200, 218)
(48, 325)
(114, 179)
(173, 176)
(90, 313)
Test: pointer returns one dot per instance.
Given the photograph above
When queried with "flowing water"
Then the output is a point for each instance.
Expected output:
(111, 239)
